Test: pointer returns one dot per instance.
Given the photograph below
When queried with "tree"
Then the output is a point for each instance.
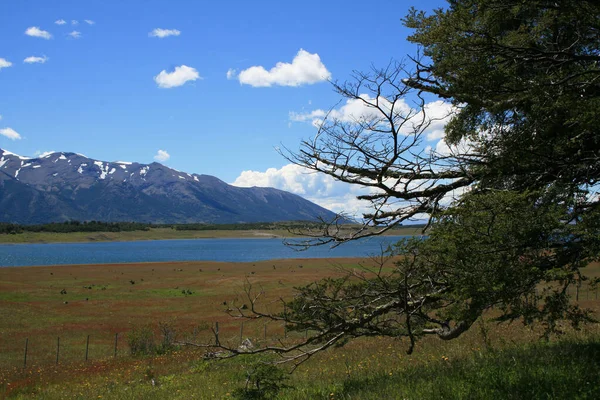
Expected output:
(512, 201)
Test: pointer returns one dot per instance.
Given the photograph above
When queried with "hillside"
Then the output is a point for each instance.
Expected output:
(69, 186)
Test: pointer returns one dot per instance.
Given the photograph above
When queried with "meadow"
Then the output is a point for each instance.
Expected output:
(91, 306)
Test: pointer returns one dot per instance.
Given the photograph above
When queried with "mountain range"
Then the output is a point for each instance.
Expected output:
(64, 186)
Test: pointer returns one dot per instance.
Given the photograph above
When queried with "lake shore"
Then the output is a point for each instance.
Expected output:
(227, 265)
(161, 234)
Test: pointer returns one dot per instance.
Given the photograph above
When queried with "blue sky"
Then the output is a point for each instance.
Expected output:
(95, 87)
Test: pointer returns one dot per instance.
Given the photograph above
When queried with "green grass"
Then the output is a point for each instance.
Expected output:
(565, 369)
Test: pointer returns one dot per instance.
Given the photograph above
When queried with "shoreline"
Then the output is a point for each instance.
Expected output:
(159, 234)
(336, 260)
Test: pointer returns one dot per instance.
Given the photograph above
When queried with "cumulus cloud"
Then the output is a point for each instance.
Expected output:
(178, 77)
(162, 156)
(60, 22)
(4, 63)
(163, 33)
(305, 69)
(37, 32)
(89, 21)
(319, 188)
(74, 22)
(439, 113)
(463, 147)
(10, 133)
(430, 122)
(35, 60)
(75, 34)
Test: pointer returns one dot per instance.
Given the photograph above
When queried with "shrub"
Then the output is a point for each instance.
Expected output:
(263, 381)
(141, 340)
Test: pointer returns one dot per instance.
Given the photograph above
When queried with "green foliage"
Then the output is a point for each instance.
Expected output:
(525, 74)
(143, 341)
(76, 226)
(263, 381)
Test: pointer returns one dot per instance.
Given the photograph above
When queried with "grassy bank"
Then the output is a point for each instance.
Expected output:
(157, 234)
(42, 304)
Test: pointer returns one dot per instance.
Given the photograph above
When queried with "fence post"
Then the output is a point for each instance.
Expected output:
(217, 333)
(87, 346)
(25, 357)
(57, 348)
(241, 332)
(116, 341)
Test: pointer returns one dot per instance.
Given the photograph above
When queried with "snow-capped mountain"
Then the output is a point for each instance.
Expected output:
(69, 186)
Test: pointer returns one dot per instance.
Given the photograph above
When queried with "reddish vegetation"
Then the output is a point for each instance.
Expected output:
(126, 295)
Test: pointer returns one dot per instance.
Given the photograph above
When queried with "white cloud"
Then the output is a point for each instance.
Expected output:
(430, 122)
(355, 110)
(306, 68)
(319, 188)
(4, 63)
(42, 154)
(34, 60)
(10, 133)
(89, 21)
(162, 156)
(231, 73)
(74, 22)
(75, 34)
(444, 149)
(37, 32)
(178, 77)
(439, 113)
(163, 33)
(60, 22)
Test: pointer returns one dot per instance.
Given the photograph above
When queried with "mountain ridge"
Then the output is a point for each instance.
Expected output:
(63, 186)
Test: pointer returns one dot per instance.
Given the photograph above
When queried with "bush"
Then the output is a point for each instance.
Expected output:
(169, 335)
(141, 340)
(263, 381)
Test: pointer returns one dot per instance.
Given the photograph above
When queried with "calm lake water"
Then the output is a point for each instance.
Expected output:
(13, 255)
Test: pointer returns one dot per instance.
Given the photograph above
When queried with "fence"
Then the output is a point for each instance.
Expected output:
(71, 348)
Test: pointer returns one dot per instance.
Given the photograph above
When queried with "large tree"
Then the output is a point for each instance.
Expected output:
(512, 199)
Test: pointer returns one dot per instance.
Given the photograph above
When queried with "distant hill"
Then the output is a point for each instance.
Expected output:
(69, 186)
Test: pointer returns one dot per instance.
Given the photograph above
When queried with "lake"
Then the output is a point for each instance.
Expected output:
(231, 250)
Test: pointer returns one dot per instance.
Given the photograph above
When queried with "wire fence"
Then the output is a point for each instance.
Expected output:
(35, 351)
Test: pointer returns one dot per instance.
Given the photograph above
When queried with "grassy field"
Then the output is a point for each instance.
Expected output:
(41, 304)
(158, 234)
